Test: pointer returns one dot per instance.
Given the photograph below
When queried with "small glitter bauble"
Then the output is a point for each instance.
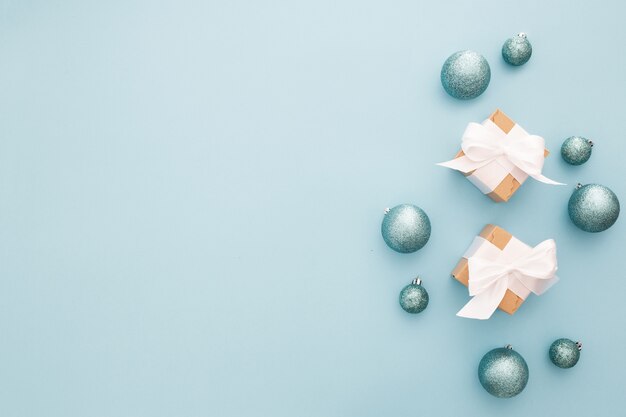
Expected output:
(414, 298)
(565, 353)
(465, 75)
(503, 372)
(405, 228)
(517, 50)
(593, 207)
(576, 150)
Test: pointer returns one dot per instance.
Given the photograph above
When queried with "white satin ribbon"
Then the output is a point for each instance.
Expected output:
(517, 267)
(482, 145)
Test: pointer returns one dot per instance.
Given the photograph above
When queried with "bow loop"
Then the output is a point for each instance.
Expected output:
(527, 154)
(540, 263)
(485, 274)
(480, 144)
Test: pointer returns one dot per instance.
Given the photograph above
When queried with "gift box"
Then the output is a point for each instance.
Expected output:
(498, 155)
(501, 271)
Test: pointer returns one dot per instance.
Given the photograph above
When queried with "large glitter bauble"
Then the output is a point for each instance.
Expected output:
(576, 150)
(465, 75)
(503, 372)
(414, 298)
(593, 207)
(517, 50)
(405, 228)
(565, 353)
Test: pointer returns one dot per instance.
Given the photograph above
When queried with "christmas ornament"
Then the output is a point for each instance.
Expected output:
(517, 50)
(405, 228)
(414, 297)
(593, 207)
(465, 75)
(576, 150)
(503, 372)
(565, 353)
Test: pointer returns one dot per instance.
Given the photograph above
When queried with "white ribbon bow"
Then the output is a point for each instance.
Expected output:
(489, 280)
(481, 146)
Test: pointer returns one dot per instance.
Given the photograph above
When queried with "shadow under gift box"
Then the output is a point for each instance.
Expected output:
(499, 238)
(509, 185)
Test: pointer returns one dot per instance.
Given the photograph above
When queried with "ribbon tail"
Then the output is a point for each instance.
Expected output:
(482, 305)
(463, 164)
(545, 179)
(538, 286)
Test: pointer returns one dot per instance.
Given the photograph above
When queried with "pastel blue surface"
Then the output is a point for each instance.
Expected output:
(191, 196)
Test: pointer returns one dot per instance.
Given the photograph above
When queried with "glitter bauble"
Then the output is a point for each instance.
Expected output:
(517, 50)
(465, 75)
(576, 150)
(405, 228)
(593, 207)
(503, 372)
(565, 353)
(414, 298)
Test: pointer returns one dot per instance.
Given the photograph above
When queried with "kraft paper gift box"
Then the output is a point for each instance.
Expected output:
(500, 178)
(501, 254)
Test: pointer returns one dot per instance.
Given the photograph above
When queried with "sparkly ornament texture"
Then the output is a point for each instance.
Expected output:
(414, 298)
(465, 75)
(564, 353)
(503, 372)
(576, 150)
(517, 50)
(593, 208)
(406, 228)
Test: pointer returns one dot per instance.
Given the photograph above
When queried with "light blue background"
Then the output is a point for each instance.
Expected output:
(191, 195)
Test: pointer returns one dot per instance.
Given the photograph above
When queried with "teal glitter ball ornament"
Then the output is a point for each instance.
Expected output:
(517, 50)
(576, 150)
(405, 228)
(565, 353)
(503, 372)
(414, 298)
(593, 207)
(465, 75)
